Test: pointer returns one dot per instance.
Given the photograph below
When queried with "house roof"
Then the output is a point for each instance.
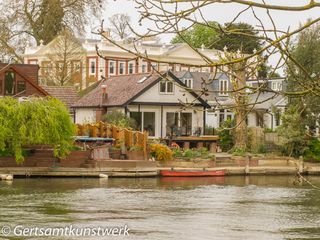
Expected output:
(67, 95)
(121, 90)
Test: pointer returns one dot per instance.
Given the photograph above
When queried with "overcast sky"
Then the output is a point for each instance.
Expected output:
(223, 13)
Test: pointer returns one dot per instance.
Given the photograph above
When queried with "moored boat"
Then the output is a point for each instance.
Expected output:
(191, 173)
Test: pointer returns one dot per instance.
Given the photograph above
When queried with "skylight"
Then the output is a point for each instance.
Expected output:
(142, 80)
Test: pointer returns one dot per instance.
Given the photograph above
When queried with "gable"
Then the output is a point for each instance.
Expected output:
(153, 95)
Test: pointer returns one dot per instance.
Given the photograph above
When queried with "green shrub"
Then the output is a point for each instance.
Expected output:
(313, 150)
(119, 119)
(238, 152)
(226, 140)
(177, 153)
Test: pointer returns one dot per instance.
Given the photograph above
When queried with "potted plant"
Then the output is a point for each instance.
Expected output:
(135, 153)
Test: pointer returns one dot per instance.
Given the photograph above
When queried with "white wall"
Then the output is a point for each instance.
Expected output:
(154, 95)
(85, 115)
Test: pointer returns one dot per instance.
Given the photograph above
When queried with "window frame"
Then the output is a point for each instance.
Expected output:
(166, 82)
(225, 87)
(133, 67)
(114, 64)
(119, 67)
(93, 60)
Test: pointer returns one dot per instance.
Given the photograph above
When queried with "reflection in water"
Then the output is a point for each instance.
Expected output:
(238, 207)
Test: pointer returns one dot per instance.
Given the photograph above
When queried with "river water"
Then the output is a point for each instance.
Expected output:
(264, 207)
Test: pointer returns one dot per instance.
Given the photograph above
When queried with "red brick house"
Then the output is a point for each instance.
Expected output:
(20, 80)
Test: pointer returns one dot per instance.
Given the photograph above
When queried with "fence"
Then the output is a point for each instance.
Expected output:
(121, 136)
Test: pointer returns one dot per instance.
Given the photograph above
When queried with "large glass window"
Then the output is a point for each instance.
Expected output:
(172, 123)
(137, 118)
(145, 121)
(9, 83)
(186, 124)
(149, 123)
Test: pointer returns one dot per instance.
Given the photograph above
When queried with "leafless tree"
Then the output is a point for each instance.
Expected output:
(66, 60)
(119, 25)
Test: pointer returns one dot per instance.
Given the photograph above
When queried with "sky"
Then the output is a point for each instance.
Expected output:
(223, 13)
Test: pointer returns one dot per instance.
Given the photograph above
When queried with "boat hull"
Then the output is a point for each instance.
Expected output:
(173, 173)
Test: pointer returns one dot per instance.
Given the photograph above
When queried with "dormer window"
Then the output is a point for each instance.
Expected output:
(223, 87)
(276, 86)
(188, 82)
(166, 87)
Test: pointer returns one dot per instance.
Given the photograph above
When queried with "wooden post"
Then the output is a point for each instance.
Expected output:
(145, 141)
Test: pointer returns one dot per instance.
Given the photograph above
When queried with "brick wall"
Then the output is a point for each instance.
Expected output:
(27, 71)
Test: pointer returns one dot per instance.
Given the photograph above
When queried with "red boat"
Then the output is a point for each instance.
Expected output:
(191, 173)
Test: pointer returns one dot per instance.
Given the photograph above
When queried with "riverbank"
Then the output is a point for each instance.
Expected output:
(153, 171)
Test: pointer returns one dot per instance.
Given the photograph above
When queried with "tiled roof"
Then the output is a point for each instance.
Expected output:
(120, 90)
(67, 95)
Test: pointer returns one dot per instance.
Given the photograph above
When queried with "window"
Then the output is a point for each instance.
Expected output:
(172, 120)
(76, 66)
(177, 67)
(112, 65)
(145, 121)
(223, 87)
(249, 84)
(188, 82)
(33, 61)
(166, 86)
(92, 66)
(21, 86)
(154, 65)
(136, 116)
(144, 67)
(186, 124)
(205, 69)
(122, 66)
(276, 86)
(149, 120)
(131, 68)
(9, 83)
(184, 68)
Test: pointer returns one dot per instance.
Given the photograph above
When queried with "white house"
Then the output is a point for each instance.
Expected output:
(160, 104)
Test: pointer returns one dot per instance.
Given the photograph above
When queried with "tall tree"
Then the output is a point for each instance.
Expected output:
(119, 25)
(24, 21)
(211, 35)
(306, 51)
(199, 35)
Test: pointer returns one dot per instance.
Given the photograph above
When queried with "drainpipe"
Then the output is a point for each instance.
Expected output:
(271, 118)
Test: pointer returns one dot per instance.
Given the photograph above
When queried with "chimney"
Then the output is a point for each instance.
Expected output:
(104, 92)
